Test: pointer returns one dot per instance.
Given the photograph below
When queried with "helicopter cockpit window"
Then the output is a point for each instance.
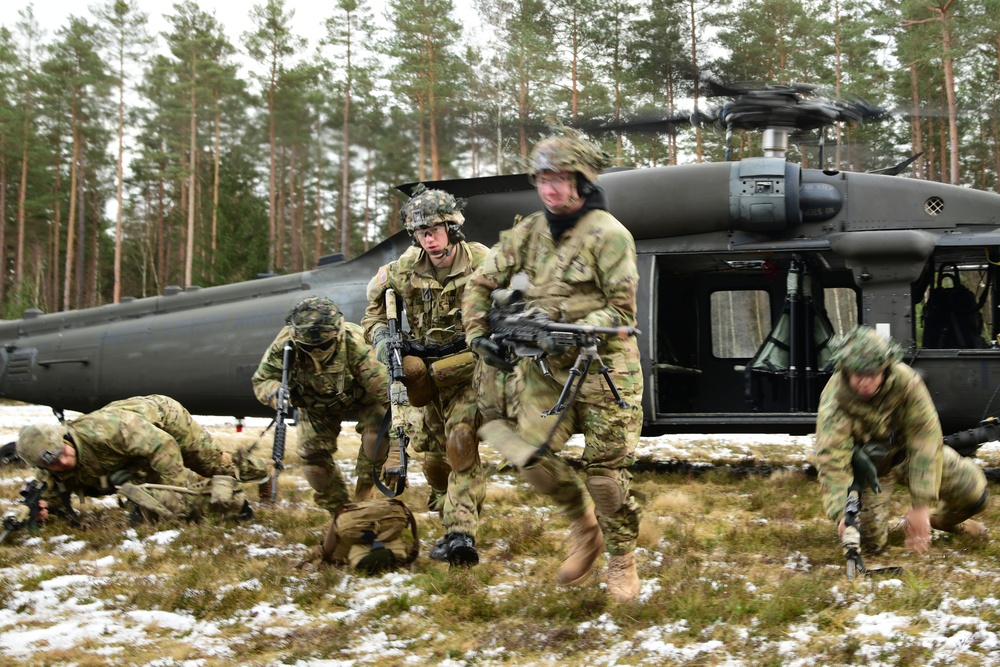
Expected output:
(741, 319)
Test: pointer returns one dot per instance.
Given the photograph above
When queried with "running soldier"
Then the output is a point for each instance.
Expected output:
(581, 265)
(877, 408)
(334, 372)
(147, 448)
(430, 277)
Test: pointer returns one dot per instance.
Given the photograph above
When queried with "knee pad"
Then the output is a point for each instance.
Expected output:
(462, 448)
(541, 478)
(373, 449)
(607, 494)
(318, 476)
(436, 471)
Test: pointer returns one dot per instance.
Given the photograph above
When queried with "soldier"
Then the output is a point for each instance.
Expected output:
(334, 373)
(431, 277)
(877, 408)
(148, 449)
(581, 263)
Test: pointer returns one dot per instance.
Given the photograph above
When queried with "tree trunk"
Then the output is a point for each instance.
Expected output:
(71, 221)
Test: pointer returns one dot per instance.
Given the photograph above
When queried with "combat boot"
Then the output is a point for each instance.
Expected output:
(457, 549)
(586, 544)
(623, 580)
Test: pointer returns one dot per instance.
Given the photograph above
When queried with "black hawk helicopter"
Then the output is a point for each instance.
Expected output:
(746, 271)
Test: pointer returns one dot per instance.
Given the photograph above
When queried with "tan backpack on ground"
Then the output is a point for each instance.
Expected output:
(369, 536)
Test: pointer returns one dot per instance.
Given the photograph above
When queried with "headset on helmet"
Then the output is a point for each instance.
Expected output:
(427, 208)
(315, 321)
(865, 351)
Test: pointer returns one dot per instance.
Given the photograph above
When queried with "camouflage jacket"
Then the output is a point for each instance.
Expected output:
(433, 309)
(114, 439)
(589, 276)
(339, 380)
(901, 415)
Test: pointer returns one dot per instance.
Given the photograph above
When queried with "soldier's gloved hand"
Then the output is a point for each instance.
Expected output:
(278, 396)
(490, 352)
(547, 343)
(379, 342)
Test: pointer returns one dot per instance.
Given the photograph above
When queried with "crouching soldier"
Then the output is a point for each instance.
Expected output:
(148, 449)
(877, 412)
(334, 373)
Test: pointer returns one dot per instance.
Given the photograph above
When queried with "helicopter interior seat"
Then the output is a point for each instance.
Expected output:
(952, 315)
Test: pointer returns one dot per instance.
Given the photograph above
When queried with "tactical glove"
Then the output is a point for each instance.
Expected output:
(490, 352)
(379, 340)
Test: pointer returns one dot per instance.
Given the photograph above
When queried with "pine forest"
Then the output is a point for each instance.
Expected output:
(133, 159)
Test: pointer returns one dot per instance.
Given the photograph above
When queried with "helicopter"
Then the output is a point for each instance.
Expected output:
(747, 270)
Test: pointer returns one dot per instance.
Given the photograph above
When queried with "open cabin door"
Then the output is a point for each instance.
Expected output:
(794, 362)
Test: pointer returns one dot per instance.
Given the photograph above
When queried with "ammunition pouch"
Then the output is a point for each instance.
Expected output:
(454, 369)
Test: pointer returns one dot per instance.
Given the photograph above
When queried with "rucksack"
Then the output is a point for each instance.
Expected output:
(952, 316)
(369, 536)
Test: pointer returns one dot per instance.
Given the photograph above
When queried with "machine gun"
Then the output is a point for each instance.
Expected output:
(520, 330)
(397, 349)
(26, 512)
(284, 411)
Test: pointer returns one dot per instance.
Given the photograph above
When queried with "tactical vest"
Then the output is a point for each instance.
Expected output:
(329, 388)
(433, 310)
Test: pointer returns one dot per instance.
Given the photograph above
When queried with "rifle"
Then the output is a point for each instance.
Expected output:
(283, 412)
(864, 471)
(26, 512)
(397, 348)
(519, 330)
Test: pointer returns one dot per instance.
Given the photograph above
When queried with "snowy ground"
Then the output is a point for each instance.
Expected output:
(61, 613)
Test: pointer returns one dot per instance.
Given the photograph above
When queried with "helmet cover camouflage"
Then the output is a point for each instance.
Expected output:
(567, 151)
(427, 208)
(40, 445)
(315, 320)
(866, 352)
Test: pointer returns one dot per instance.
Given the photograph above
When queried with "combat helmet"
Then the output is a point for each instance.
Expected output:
(428, 207)
(865, 351)
(568, 151)
(315, 321)
(40, 445)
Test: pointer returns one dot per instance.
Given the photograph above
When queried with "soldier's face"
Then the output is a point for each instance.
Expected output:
(434, 241)
(865, 385)
(65, 461)
(557, 190)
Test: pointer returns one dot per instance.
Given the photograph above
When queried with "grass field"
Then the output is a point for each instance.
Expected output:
(738, 568)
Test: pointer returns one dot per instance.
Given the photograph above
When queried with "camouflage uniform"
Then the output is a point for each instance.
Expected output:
(448, 434)
(326, 385)
(899, 428)
(589, 276)
(148, 440)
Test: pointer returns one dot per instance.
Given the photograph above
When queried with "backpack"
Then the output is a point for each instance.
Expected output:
(368, 536)
(952, 317)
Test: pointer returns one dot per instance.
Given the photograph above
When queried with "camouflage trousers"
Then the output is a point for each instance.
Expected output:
(317, 437)
(961, 495)
(200, 453)
(199, 496)
(450, 443)
(611, 434)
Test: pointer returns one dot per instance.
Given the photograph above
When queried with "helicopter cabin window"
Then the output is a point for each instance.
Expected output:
(841, 307)
(952, 312)
(741, 319)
